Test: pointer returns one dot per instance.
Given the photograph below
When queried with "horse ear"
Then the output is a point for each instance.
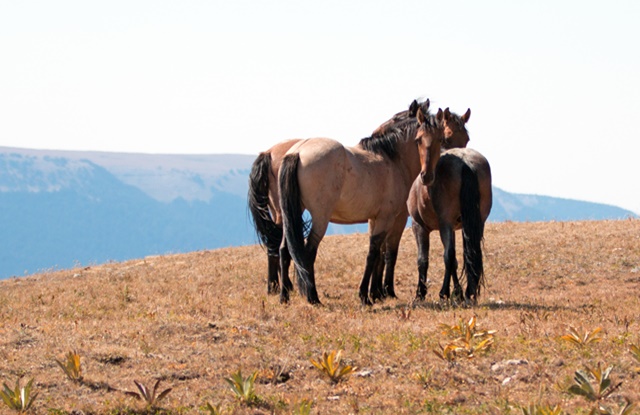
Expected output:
(440, 116)
(447, 114)
(425, 105)
(466, 115)
(413, 108)
(420, 115)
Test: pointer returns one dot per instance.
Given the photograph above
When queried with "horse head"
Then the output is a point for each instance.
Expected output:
(455, 132)
(402, 116)
(429, 137)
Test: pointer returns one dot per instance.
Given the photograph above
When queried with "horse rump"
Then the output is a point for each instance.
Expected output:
(269, 234)
(295, 226)
(472, 231)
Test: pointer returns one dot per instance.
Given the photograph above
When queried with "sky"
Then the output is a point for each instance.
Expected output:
(553, 86)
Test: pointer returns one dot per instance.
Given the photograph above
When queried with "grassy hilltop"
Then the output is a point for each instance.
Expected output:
(193, 320)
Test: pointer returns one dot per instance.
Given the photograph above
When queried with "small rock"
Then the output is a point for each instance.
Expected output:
(499, 366)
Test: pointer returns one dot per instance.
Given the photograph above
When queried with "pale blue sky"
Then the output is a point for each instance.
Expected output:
(553, 86)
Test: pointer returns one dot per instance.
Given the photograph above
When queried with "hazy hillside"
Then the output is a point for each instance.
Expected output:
(61, 208)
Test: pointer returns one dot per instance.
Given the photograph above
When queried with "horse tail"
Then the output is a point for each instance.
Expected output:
(269, 234)
(295, 226)
(472, 227)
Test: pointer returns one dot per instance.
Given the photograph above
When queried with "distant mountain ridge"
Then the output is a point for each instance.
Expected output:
(59, 209)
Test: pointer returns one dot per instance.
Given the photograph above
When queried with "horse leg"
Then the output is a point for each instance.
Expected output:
(376, 290)
(447, 235)
(391, 255)
(311, 251)
(375, 245)
(457, 287)
(273, 258)
(422, 241)
(285, 281)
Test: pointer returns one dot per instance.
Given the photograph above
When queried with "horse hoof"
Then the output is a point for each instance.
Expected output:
(376, 297)
(420, 298)
(273, 289)
(314, 300)
(390, 292)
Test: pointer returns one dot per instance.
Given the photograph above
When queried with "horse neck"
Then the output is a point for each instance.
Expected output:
(408, 158)
(456, 140)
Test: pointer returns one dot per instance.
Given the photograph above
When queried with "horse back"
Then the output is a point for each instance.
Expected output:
(447, 188)
(321, 173)
(277, 152)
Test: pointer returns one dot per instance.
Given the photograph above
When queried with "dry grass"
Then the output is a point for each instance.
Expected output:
(194, 319)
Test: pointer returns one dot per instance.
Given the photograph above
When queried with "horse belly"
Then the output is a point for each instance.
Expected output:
(365, 194)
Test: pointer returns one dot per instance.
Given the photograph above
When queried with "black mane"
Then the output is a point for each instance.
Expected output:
(386, 142)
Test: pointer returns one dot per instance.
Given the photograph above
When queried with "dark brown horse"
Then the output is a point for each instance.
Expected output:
(455, 136)
(459, 197)
(263, 195)
(366, 183)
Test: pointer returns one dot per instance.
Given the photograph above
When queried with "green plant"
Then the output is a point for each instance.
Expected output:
(331, 365)
(425, 377)
(535, 409)
(635, 352)
(627, 409)
(149, 395)
(446, 353)
(303, 407)
(588, 337)
(20, 398)
(72, 367)
(467, 340)
(212, 410)
(242, 387)
(584, 386)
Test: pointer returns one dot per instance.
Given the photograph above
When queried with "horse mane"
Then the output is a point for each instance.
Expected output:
(385, 143)
(402, 116)
(384, 139)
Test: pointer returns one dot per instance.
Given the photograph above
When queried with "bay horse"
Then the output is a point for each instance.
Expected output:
(263, 195)
(460, 197)
(455, 136)
(366, 183)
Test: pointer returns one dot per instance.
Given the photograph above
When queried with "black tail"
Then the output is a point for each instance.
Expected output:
(472, 228)
(269, 234)
(294, 223)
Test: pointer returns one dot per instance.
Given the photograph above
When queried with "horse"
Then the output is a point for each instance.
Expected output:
(263, 195)
(460, 197)
(366, 183)
(455, 136)
(264, 205)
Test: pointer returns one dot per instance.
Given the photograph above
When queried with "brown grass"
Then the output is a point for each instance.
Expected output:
(194, 319)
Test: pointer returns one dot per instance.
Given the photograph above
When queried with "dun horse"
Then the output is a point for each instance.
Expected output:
(368, 182)
(460, 197)
(263, 196)
(264, 205)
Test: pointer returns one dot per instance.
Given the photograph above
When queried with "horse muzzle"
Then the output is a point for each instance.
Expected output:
(426, 178)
